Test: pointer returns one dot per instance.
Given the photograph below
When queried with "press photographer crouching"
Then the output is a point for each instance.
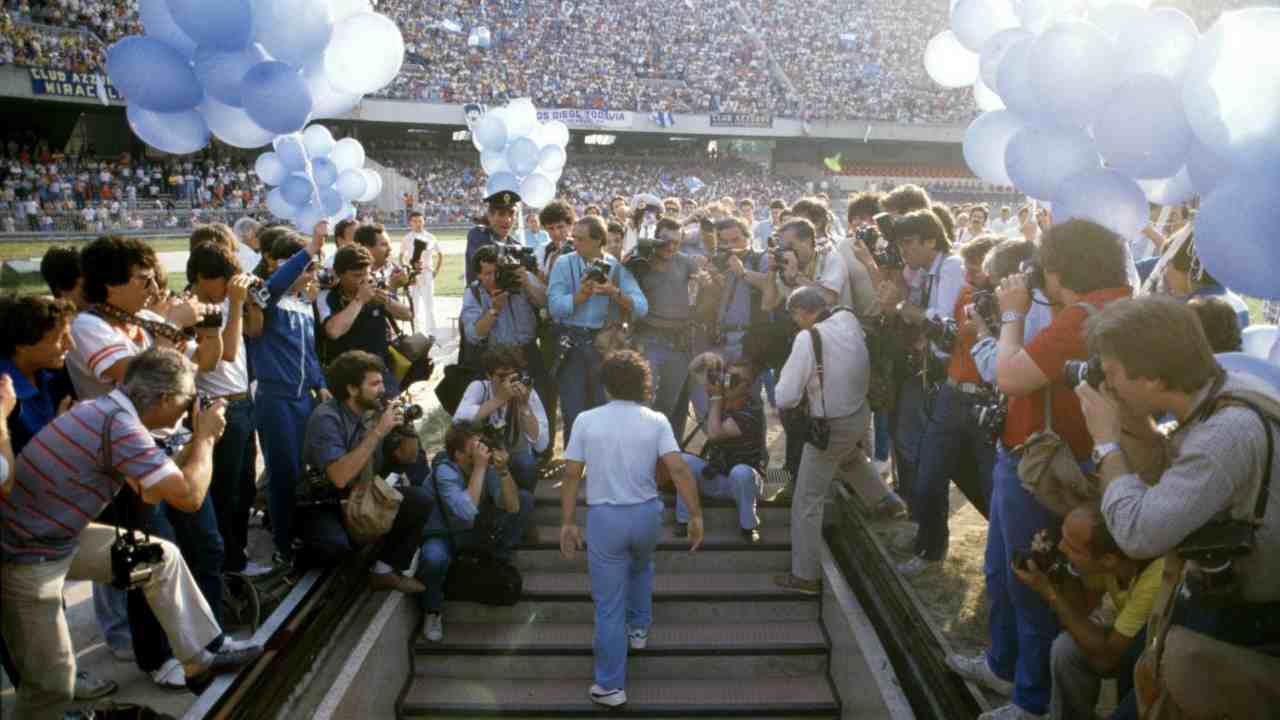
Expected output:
(477, 508)
(735, 456)
(1214, 512)
(508, 411)
(344, 449)
(65, 477)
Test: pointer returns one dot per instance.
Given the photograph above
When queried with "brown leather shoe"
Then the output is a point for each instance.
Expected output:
(791, 583)
(395, 581)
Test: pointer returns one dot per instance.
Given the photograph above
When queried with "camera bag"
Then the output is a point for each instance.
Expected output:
(466, 370)
(817, 431)
(475, 572)
(371, 507)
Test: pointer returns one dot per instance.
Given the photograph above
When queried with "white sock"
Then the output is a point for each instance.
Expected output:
(381, 568)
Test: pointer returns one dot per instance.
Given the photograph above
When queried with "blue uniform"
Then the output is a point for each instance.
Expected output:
(478, 237)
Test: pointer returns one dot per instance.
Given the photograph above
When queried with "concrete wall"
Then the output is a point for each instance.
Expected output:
(375, 671)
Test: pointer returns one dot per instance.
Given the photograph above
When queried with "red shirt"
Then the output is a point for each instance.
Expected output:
(962, 368)
(1063, 340)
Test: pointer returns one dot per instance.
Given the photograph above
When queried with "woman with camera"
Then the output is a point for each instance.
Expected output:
(507, 405)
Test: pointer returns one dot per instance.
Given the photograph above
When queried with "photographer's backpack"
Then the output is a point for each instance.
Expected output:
(475, 573)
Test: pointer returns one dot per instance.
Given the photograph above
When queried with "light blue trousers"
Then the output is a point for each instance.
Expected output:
(743, 484)
(620, 544)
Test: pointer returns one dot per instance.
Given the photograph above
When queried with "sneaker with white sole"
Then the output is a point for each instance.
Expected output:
(170, 675)
(976, 668)
(253, 569)
(608, 698)
(433, 627)
(638, 638)
(1010, 712)
(915, 566)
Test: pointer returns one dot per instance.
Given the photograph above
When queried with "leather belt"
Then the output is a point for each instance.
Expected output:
(235, 397)
(967, 388)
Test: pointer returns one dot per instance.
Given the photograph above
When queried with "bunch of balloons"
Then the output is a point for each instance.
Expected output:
(247, 71)
(316, 178)
(520, 154)
(1100, 107)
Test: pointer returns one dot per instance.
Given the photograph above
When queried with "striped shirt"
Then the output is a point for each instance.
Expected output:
(60, 485)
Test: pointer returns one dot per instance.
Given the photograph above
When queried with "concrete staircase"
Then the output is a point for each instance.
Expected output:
(724, 642)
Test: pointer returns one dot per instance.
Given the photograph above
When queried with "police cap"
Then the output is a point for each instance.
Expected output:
(502, 200)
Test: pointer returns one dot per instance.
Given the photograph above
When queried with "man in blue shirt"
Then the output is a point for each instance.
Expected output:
(499, 219)
(588, 290)
(493, 316)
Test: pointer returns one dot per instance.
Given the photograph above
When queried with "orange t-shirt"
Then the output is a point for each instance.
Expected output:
(1061, 341)
(962, 368)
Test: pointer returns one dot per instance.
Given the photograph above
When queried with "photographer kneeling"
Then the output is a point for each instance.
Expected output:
(735, 456)
(63, 479)
(466, 474)
(344, 446)
(509, 410)
(1214, 513)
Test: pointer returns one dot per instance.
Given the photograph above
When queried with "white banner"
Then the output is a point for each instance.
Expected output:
(589, 119)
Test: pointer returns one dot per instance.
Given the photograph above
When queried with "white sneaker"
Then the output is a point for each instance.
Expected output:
(915, 566)
(975, 668)
(638, 638)
(1009, 712)
(253, 569)
(170, 675)
(230, 644)
(433, 627)
(608, 698)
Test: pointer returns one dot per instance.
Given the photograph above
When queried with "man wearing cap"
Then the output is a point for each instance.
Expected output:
(495, 229)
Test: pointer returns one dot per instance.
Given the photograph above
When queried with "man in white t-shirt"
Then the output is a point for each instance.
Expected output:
(246, 230)
(624, 513)
(426, 266)
(808, 265)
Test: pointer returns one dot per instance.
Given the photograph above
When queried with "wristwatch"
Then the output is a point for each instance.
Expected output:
(1101, 451)
(1009, 316)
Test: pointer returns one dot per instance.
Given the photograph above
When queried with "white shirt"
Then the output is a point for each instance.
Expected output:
(99, 346)
(845, 370)
(620, 443)
(480, 392)
(862, 291)
(249, 258)
(830, 273)
(944, 281)
(228, 377)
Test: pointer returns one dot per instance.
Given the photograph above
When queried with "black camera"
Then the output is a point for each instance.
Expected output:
(777, 253)
(882, 243)
(987, 307)
(509, 277)
(410, 411)
(419, 247)
(259, 293)
(598, 272)
(133, 561)
(1033, 271)
(720, 261)
(641, 260)
(1048, 558)
(1211, 579)
(198, 405)
(325, 278)
(990, 414)
(526, 257)
(1084, 371)
(493, 436)
(211, 320)
(567, 247)
(942, 332)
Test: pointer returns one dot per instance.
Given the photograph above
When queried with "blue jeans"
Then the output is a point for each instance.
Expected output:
(438, 550)
(579, 378)
(111, 608)
(1021, 625)
(620, 544)
(954, 449)
(670, 369)
(744, 484)
(524, 469)
(281, 421)
(906, 429)
(881, 419)
(234, 483)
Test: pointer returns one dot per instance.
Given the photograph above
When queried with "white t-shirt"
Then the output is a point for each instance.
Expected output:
(249, 258)
(229, 377)
(479, 393)
(99, 346)
(620, 443)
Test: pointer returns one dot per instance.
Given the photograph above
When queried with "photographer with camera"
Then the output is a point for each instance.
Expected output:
(64, 478)
(385, 274)
(1005, 259)
(477, 505)
(588, 290)
(557, 220)
(643, 221)
(1083, 269)
(494, 229)
(665, 334)
(1087, 566)
(509, 408)
(356, 313)
(735, 456)
(1214, 512)
(420, 252)
(863, 236)
(801, 260)
(343, 447)
(764, 229)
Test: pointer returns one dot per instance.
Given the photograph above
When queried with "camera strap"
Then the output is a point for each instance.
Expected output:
(1226, 399)
(816, 337)
(104, 461)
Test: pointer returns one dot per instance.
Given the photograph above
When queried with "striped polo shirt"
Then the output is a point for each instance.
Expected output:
(60, 484)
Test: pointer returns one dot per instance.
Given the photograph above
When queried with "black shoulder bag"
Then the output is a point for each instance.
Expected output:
(817, 430)
(475, 573)
(461, 374)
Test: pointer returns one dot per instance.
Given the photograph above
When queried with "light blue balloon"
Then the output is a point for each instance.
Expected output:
(318, 141)
(276, 97)
(297, 190)
(221, 73)
(331, 200)
(1141, 130)
(493, 161)
(1263, 370)
(1039, 159)
(179, 133)
(1105, 197)
(502, 182)
(1170, 190)
(293, 31)
(324, 171)
(269, 169)
(348, 154)
(307, 218)
(233, 126)
(1073, 70)
(279, 206)
(1258, 340)
(1116, 20)
(1159, 42)
(985, 142)
(1205, 167)
(994, 51)
(975, 21)
(352, 184)
(1014, 83)
(537, 190)
(551, 159)
(158, 23)
(152, 75)
(491, 133)
(1236, 233)
(522, 156)
(292, 152)
(222, 25)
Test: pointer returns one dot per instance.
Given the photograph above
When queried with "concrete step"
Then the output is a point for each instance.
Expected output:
(722, 551)
(719, 515)
(744, 650)
(665, 611)
(713, 587)
(806, 695)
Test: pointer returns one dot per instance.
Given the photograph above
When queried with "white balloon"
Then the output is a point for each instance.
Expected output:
(1259, 339)
(522, 118)
(948, 62)
(233, 125)
(493, 162)
(352, 184)
(986, 98)
(365, 53)
(537, 190)
(318, 141)
(559, 132)
(373, 188)
(347, 154)
(975, 21)
(327, 101)
(269, 169)
(551, 159)
(343, 9)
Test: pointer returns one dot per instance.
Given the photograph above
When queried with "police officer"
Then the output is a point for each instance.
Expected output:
(499, 219)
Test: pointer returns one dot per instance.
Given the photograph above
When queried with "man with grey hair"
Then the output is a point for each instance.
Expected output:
(246, 230)
(65, 477)
(827, 370)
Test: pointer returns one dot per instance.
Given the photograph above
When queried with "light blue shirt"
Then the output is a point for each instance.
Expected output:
(452, 484)
(984, 351)
(536, 239)
(620, 443)
(566, 279)
(517, 323)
